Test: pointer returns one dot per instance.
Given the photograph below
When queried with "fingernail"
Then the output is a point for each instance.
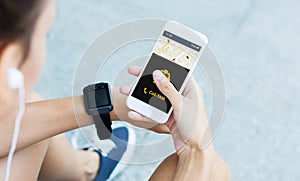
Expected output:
(158, 74)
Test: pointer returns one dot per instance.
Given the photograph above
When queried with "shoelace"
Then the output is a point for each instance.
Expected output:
(89, 133)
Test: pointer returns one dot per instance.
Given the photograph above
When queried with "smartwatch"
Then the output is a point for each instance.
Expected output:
(98, 103)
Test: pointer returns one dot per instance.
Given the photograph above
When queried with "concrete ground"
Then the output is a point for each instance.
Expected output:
(256, 42)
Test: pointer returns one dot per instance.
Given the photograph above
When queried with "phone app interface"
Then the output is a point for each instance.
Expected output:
(174, 57)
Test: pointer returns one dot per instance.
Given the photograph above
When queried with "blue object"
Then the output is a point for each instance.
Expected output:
(108, 164)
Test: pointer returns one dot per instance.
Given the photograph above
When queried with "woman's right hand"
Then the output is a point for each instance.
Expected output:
(188, 123)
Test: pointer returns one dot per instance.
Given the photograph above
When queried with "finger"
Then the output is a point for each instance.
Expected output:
(141, 121)
(189, 86)
(135, 116)
(160, 128)
(125, 90)
(196, 85)
(167, 88)
(192, 89)
(135, 70)
(171, 124)
(138, 117)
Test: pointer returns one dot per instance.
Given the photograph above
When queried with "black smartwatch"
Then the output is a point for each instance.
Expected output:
(98, 103)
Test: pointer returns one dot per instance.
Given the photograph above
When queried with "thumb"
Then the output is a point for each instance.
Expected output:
(168, 89)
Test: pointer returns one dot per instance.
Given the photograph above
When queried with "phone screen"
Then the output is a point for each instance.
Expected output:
(174, 57)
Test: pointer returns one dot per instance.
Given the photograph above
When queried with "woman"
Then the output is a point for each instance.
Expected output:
(42, 153)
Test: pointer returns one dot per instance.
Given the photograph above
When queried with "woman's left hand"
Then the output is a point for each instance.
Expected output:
(121, 111)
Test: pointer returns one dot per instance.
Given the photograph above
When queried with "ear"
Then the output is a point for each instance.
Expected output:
(10, 56)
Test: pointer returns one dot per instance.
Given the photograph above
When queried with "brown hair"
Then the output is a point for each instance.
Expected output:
(17, 22)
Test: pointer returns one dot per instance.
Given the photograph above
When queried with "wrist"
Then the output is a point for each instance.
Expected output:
(190, 152)
(194, 164)
(120, 111)
(114, 94)
(81, 116)
(189, 147)
(191, 155)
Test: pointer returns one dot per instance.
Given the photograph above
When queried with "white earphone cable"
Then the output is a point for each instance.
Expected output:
(16, 131)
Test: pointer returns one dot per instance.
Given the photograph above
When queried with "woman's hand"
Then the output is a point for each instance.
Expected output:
(189, 121)
(190, 129)
(121, 111)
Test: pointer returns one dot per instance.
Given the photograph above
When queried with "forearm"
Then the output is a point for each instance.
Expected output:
(220, 170)
(45, 119)
(166, 170)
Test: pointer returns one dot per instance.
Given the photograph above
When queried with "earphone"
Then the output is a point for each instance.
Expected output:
(15, 80)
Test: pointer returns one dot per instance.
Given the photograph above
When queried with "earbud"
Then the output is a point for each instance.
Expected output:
(15, 78)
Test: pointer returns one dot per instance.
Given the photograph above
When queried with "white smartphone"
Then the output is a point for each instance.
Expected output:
(176, 54)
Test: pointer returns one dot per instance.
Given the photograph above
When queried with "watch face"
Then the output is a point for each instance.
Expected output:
(97, 96)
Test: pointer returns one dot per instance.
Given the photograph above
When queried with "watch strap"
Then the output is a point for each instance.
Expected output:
(103, 125)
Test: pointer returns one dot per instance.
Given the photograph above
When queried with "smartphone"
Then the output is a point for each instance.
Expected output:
(176, 53)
